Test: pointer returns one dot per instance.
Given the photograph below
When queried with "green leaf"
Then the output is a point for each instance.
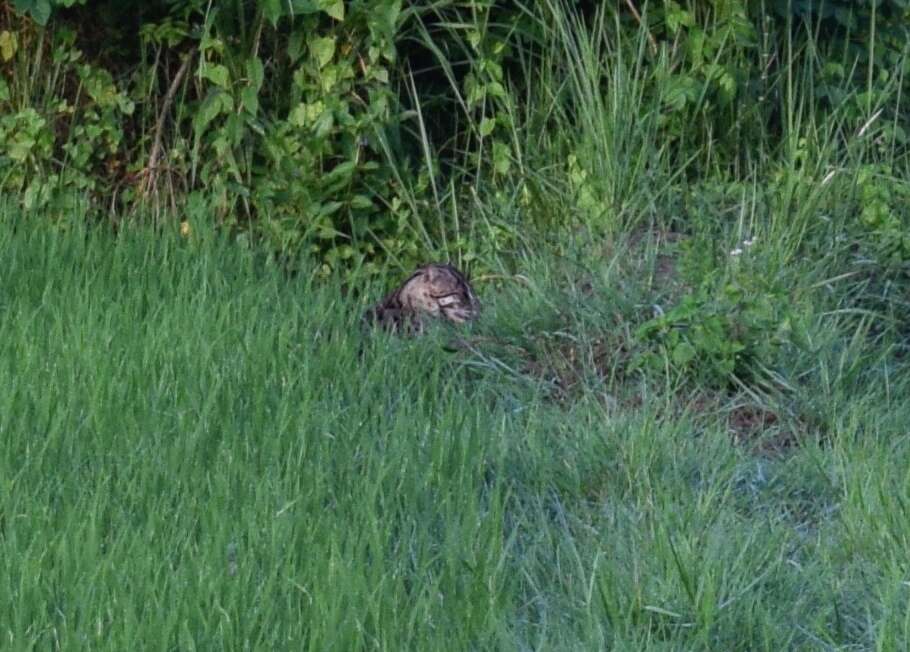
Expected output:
(125, 104)
(303, 6)
(361, 202)
(502, 160)
(295, 45)
(327, 209)
(272, 10)
(255, 125)
(298, 115)
(324, 124)
(217, 74)
(380, 75)
(9, 43)
(307, 114)
(323, 49)
(678, 17)
(255, 72)
(341, 174)
(496, 89)
(210, 109)
(383, 18)
(683, 354)
(335, 9)
(39, 10)
(250, 100)
(487, 125)
(19, 149)
(682, 90)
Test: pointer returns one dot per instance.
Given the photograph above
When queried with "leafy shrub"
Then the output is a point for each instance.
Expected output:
(884, 224)
(306, 162)
(59, 148)
(343, 127)
(277, 110)
(722, 330)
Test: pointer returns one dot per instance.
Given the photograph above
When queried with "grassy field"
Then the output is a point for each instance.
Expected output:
(198, 452)
(681, 422)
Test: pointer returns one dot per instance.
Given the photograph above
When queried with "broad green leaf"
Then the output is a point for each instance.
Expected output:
(329, 77)
(298, 116)
(683, 354)
(250, 100)
(217, 74)
(496, 90)
(380, 74)
(502, 161)
(272, 10)
(227, 103)
(32, 195)
(306, 114)
(341, 173)
(324, 124)
(125, 104)
(335, 9)
(383, 18)
(9, 43)
(255, 125)
(474, 90)
(678, 17)
(20, 148)
(210, 109)
(682, 90)
(323, 49)
(303, 6)
(255, 73)
(361, 202)
(295, 45)
(39, 10)
(328, 209)
(486, 126)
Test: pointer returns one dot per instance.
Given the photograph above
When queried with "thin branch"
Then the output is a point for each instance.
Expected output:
(637, 16)
(151, 171)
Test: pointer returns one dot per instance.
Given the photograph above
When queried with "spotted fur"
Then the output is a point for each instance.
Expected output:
(433, 291)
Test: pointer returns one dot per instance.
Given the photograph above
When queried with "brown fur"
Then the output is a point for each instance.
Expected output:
(435, 290)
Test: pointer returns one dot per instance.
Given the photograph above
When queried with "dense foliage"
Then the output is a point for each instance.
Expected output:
(343, 127)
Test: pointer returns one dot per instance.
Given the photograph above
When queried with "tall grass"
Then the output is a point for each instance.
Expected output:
(198, 451)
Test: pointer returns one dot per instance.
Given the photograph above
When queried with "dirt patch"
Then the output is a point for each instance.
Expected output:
(758, 428)
(569, 364)
(761, 429)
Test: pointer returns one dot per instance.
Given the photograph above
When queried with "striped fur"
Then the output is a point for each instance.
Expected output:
(433, 291)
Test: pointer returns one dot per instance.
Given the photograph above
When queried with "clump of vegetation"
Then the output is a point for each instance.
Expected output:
(679, 422)
(353, 130)
(723, 330)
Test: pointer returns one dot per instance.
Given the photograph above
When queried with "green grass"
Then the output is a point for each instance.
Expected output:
(201, 450)
(197, 452)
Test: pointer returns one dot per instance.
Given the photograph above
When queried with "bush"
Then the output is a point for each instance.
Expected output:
(724, 331)
(358, 130)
